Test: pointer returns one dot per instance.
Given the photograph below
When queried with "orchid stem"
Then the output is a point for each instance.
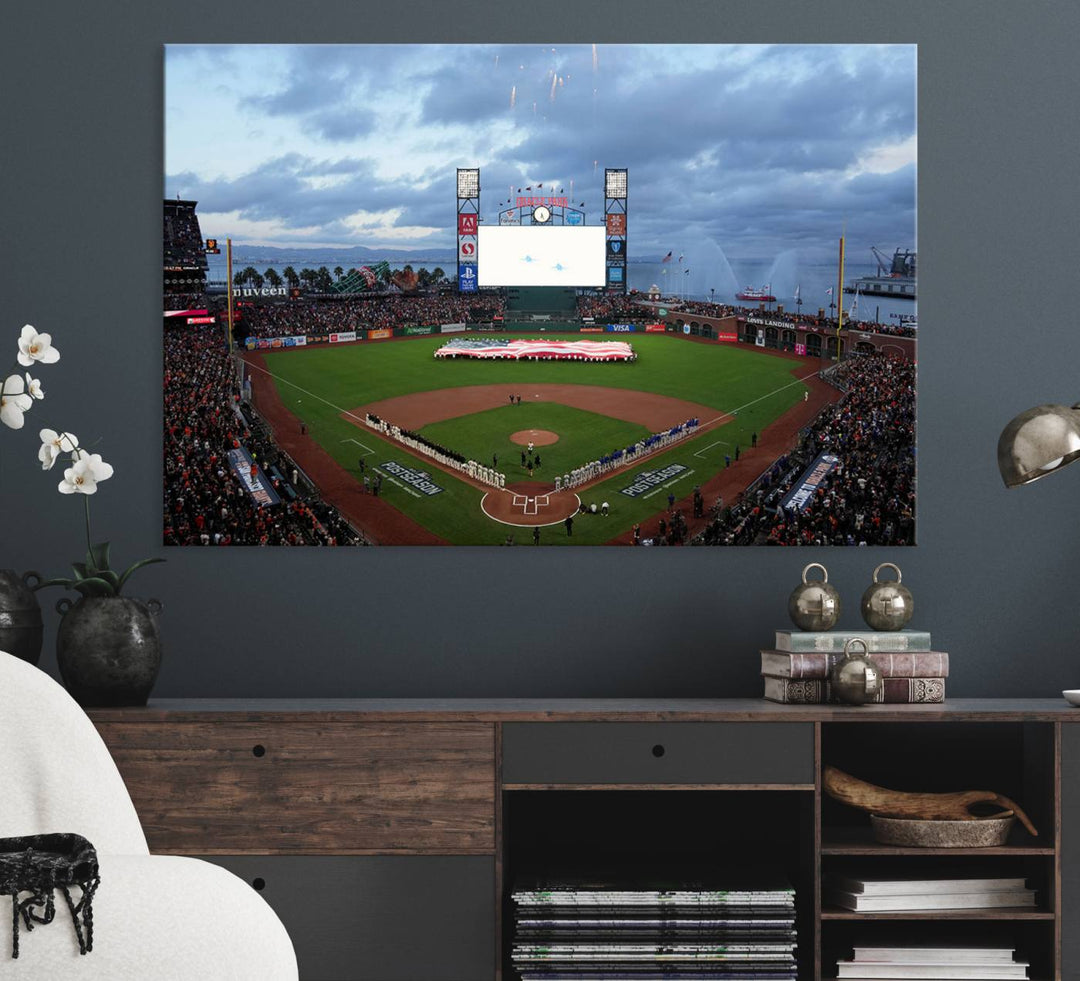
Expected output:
(89, 547)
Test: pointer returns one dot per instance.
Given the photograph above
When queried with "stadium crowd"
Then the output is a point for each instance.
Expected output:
(182, 243)
(365, 312)
(186, 301)
(205, 503)
(869, 497)
(609, 307)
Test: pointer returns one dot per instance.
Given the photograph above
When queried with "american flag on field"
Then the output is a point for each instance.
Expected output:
(545, 350)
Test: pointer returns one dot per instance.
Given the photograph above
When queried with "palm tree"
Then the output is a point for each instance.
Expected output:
(437, 275)
(387, 275)
(238, 279)
(290, 276)
(256, 279)
(272, 277)
(322, 278)
(338, 272)
(307, 277)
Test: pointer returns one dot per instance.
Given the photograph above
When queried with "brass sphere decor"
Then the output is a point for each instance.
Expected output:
(814, 605)
(887, 605)
(855, 679)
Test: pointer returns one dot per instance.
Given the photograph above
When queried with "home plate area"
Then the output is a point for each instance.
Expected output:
(529, 503)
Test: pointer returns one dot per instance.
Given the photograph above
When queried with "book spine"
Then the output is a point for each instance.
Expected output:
(832, 642)
(895, 691)
(907, 664)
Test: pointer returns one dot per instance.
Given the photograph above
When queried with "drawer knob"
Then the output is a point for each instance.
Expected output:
(658, 751)
(258, 750)
(258, 883)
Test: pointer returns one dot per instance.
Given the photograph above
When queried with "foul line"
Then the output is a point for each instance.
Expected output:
(344, 412)
(769, 395)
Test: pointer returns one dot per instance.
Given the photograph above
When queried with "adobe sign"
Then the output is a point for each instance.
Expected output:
(466, 224)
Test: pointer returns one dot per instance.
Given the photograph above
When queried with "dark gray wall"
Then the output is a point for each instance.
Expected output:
(995, 574)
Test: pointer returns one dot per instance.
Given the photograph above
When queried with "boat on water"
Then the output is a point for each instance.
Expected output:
(894, 277)
(763, 295)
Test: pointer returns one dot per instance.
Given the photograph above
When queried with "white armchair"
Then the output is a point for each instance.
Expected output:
(156, 918)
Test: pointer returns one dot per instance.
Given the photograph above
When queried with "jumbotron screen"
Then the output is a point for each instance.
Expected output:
(541, 255)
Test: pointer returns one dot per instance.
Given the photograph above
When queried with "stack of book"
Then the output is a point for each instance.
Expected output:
(578, 931)
(939, 963)
(796, 671)
(895, 894)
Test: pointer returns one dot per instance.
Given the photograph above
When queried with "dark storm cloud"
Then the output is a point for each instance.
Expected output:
(760, 150)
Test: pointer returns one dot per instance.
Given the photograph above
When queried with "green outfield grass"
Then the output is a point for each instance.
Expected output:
(317, 384)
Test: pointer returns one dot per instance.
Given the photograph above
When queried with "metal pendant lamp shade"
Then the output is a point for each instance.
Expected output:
(1037, 442)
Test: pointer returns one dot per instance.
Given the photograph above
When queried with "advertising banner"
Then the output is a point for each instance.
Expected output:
(620, 328)
(591, 330)
(509, 218)
(616, 247)
(615, 274)
(727, 338)
(347, 335)
(451, 328)
(318, 339)
(759, 338)
(467, 279)
(799, 496)
(296, 341)
(466, 224)
(616, 224)
(575, 218)
(800, 349)
(655, 328)
(254, 480)
(686, 329)
(380, 334)
(412, 331)
(186, 313)
(201, 320)
(467, 250)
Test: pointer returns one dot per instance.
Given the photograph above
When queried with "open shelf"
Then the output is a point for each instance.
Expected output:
(860, 841)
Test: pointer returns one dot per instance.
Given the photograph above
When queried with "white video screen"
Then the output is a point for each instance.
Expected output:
(541, 255)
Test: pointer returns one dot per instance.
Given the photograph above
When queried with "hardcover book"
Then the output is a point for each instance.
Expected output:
(833, 641)
(894, 691)
(816, 664)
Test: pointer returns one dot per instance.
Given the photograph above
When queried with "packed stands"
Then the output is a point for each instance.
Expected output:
(184, 259)
(334, 314)
(205, 502)
(869, 498)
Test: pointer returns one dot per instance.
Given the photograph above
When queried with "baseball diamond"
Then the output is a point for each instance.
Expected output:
(680, 407)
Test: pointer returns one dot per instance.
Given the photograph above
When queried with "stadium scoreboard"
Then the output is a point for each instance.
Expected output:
(541, 255)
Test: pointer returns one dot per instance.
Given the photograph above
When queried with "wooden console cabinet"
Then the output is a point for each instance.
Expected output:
(387, 833)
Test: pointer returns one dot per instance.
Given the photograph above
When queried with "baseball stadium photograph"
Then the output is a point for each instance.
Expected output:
(526, 294)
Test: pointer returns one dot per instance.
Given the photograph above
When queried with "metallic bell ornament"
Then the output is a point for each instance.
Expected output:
(814, 605)
(887, 605)
(855, 679)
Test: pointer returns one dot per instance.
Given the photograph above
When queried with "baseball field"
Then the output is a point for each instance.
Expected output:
(572, 412)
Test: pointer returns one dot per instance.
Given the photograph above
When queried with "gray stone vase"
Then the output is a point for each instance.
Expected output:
(21, 628)
(108, 649)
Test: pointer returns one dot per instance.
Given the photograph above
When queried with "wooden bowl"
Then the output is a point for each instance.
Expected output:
(917, 833)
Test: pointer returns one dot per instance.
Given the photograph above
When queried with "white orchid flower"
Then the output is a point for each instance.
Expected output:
(53, 444)
(33, 387)
(36, 347)
(14, 401)
(83, 476)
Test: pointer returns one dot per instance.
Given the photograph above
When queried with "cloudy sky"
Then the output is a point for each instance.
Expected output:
(758, 149)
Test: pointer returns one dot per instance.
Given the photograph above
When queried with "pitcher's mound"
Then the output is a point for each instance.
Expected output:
(538, 437)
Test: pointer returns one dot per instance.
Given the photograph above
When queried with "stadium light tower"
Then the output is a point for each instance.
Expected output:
(468, 221)
(615, 218)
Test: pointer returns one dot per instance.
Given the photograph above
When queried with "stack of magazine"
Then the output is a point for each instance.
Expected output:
(938, 963)
(580, 931)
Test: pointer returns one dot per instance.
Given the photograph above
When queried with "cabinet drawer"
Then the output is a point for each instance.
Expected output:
(381, 918)
(229, 788)
(696, 753)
